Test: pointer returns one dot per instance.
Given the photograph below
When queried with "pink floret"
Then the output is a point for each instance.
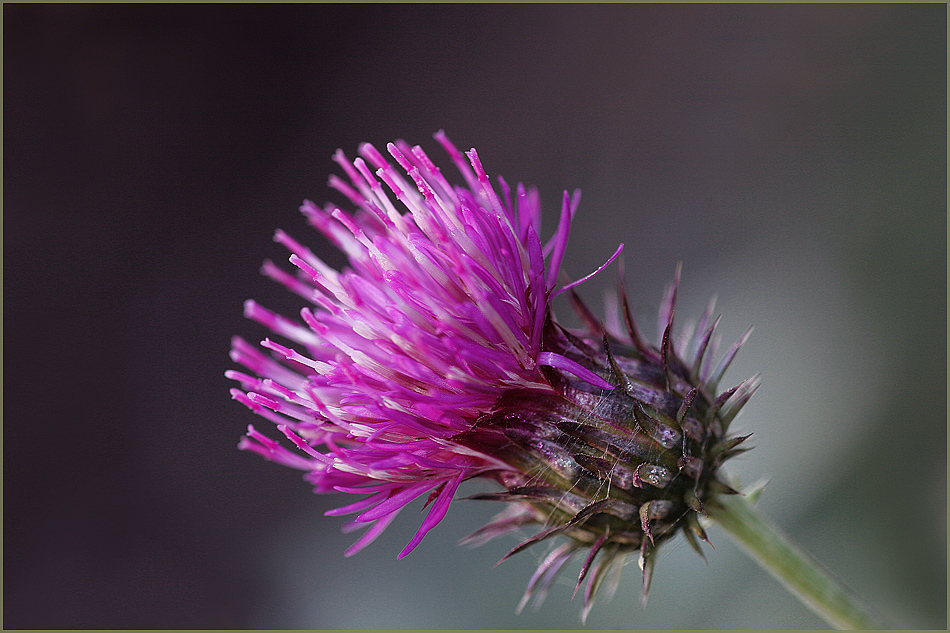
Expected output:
(439, 313)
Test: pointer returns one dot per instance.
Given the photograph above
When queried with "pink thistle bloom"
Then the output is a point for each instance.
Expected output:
(434, 358)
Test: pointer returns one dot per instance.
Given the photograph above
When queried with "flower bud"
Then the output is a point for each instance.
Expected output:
(640, 460)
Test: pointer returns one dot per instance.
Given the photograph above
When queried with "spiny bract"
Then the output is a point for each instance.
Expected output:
(435, 358)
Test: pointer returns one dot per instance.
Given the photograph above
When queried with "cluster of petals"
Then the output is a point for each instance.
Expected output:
(439, 312)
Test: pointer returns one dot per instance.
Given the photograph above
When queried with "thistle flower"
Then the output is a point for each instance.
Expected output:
(436, 358)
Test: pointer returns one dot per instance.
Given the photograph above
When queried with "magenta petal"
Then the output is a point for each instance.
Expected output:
(559, 242)
(566, 364)
(398, 500)
(371, 533)
(583, 279)
(436, 514)
(357, 506)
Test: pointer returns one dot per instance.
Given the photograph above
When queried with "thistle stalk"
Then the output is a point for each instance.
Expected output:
(792, 566)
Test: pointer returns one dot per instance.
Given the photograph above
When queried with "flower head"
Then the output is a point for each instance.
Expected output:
(435, 358)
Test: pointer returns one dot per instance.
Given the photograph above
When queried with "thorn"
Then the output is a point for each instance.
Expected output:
(540, 536)
(666, 351)
(577, 342)
(669, 300)
(595, 548)
(691, 539)
(701, 352)
(544, 575)
(721, 400)
(687, 403)
(723, 365)
(721, 487)
(647, 561)
(733, 453)
(600, 570)
(632, 331)
(730, 409)
(696, 528)
(740, 439)
(588, 317)
(701, 326)
(614, 368)
(721, 448)
(645, 520)
(501, 524)
(653, 510)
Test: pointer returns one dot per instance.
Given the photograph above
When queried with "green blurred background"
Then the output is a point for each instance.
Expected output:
(792, 157)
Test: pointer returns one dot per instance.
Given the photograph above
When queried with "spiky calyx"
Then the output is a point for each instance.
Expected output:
(617, 471)
(434, 358)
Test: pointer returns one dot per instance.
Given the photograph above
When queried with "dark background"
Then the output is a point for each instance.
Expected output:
(792, 157)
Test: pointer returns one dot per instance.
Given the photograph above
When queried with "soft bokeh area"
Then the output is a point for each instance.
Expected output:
(792, 157)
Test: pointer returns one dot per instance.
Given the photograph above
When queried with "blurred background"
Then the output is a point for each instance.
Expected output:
(792, 157)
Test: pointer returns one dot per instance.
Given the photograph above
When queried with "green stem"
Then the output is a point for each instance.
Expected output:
(791, 565)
